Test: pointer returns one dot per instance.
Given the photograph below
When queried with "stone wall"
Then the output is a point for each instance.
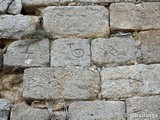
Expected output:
(79, 59)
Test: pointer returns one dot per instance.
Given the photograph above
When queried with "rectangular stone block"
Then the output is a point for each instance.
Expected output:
(60, 83)
(13, 26)
(115, 51)
(21, 111)
(5, 106)
(97, 110)
(143, 108)
(27, 53)
(150, 46)
(70, 52)
(130, 16)
(76, 21)
(127, 81)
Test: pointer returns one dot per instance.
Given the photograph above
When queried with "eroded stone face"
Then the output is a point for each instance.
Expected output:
(12, 27)
(150, 46)
(115, 51)
(60, 83)
(76, 21)
(143, 108)
(130, 16)
(4, 109)
(15, 7)
(4, 4)
(99, 110)
(127, 81)
(21, 111)
(27, 53)
(70, 52)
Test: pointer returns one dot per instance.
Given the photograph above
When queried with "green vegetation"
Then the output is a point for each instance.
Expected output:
(135, 35)
(37, 34)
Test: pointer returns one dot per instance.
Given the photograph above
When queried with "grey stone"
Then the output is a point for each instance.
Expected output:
(76, 21)
(97, 110)
(60, 83)
(130, 16)
(114, 51)
(27, 53)
(30, 3)
(21, 111)
(4, 109)
(15, 7)
(150, 46)
(4, 4)
(12, 27)
(140, 108)
(127, 81)
(1, 58)
(70, 52)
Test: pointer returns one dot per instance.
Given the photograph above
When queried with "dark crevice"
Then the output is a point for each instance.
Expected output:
(23, 12)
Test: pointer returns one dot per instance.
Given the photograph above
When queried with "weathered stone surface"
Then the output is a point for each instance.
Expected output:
(12, 27)
(15, 7)
(130, 16)
(1, 58)
(76, 21)
(115, 51)
(150, 46)
(127, 81)
(4, 109)
(70, 52)
(97, 110)
(27, 53)
(23, 112)
(4, 5)
(140, 108)
(45, 2)
(57, 83)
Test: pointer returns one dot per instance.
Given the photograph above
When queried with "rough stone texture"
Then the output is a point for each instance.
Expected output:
(4, 4)
(140, 108)
(1, 58)
(114, 51)
(127, 81)
(4, 109)
(23, 112)
(70, 52)
(15, 7)
(27, 53)
(76, 21)
(12, 27)
(150, 46)
(58, 83)
(130, 16)
(97, 110)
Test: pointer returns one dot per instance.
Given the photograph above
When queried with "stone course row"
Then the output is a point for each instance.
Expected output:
(85, 21)
(82, 83)
(135, 108)
(113, 51)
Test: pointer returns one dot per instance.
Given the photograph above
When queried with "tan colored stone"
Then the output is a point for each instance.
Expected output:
(22, 111)
(9, 80)
(76, 21)
(127, 81)
(130, 16)
(97, 110)
(150, 46)
(60, 83)
(140, 108)
(70, 52)
(115, 51)
(27, 53)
